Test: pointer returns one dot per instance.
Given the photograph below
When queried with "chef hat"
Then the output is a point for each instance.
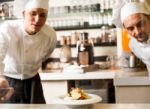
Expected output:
(36, 4)
(125, 9)
(21, 5)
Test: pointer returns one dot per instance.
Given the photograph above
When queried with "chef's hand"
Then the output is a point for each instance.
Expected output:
(4, 84)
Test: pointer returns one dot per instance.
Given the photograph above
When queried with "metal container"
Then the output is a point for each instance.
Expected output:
(132, 61)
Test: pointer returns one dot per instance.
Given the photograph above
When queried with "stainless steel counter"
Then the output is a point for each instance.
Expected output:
(57, 83)
(58, 75)
(132, 78)
(95, 106)
(132, 87)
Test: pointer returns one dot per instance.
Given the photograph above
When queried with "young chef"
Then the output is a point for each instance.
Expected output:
(24, 45)
(135, 18)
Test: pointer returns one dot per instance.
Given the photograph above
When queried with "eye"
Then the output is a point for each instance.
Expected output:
(130, 29)
(43, 15)
(33, 13)
(141, 24)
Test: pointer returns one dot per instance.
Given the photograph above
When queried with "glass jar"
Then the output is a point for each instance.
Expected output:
(65, 53)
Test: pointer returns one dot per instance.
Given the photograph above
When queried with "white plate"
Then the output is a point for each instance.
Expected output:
(91, 100)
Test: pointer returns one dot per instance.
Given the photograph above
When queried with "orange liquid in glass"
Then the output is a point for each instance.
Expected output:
(125, 41)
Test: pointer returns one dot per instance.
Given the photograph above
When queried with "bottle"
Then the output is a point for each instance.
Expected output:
(65, 53)
(85, 54)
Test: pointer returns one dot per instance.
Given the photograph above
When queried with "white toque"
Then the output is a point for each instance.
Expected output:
(125, 8)
(37, 4)
(22, 5)
(132, 8)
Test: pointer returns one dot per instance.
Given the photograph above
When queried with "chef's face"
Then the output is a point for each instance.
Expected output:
(34, 19)
(138, 26)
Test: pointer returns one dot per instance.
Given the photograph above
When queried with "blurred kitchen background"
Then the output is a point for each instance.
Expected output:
(81, 23)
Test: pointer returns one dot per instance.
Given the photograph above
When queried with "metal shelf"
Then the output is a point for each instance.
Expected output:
(85, 26)
(95, 45)
(5, 0)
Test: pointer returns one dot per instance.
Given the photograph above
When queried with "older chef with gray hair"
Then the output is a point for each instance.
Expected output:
(24, 45)
(135, 18)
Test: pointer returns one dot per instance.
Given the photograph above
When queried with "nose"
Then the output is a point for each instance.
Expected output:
(137, 30)
(37, 18)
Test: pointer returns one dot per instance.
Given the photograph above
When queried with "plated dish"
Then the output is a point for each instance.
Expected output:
(76, 97)
(90, 100)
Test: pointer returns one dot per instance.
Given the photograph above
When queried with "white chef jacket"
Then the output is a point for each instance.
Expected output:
(142, 51)
(21, 55)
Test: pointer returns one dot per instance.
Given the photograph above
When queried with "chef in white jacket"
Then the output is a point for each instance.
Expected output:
(24, 45)
(135, 18)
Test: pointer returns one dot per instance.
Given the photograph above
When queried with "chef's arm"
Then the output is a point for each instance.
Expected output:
(3, 50)
(1, 61)
(3, 82)
(4, 43)
(1, 66)
(1, 69)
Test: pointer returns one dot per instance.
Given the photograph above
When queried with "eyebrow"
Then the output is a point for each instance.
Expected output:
(141, 21)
